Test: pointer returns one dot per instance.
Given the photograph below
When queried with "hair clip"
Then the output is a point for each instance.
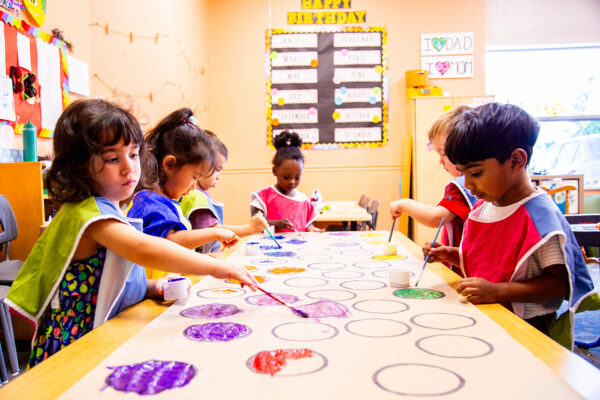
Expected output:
(193, 120)
(428, 145)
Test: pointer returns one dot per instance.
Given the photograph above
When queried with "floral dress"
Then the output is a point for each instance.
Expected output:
(77, 294)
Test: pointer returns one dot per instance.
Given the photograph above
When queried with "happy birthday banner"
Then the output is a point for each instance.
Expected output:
(447, 55)
(329, 87)
(346, 16)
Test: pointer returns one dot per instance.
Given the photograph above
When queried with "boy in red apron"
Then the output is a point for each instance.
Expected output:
(517, 248)
(457, 202)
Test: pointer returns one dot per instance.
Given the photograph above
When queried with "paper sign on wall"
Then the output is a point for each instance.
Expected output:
(448, 66)
(448, 55)
(79, 77)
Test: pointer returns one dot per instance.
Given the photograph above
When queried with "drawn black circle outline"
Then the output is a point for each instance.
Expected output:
(362, 280)
(238, 310)
(473, 320)
(286, 282)
(335, 331)
(380, 264)
(327, 269)
(330, 290)
(387, 272)
(375, 312)
(243, 292)
(348, 277)
(461, 380)
(420, 347)
(325, 363)
(408, 327)
(219, 341)
(306, 257)
(364, 252)
(267, 261)
(303, 250)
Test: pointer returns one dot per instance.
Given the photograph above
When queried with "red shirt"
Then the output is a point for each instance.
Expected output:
(455, 202)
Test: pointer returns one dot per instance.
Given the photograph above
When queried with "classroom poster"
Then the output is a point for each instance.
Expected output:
(448, 55)
(329, 87)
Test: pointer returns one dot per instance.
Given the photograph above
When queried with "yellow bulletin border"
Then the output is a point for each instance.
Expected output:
(384, 88)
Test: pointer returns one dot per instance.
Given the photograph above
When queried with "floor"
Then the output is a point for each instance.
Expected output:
(587, 328)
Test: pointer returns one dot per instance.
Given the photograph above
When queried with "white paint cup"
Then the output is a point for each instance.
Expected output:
(252, 248)
(176, 288)
(390, 249)
(399, 278)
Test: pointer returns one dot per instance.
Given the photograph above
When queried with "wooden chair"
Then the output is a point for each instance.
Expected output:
(373, 210)
(8, 268)
(565, 189)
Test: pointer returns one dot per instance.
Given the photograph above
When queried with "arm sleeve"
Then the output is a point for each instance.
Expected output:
(455, 202)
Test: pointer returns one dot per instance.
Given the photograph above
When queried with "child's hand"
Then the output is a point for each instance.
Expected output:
(478, 290)
(437, 252)
(258, 223)
(231, 271)
(312, 228)
(396, 208)
(225, 236)
(282, 224)
(155, 286)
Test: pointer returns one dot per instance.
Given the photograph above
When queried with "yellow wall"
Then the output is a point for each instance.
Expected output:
(215, 51)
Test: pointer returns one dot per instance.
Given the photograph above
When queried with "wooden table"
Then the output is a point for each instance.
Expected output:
(344, 212)
(52, 377)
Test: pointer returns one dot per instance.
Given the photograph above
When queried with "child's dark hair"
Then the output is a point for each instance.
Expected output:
(81, 133)
(492, 130)
(179, 136)
(288, 147)
(218, 146)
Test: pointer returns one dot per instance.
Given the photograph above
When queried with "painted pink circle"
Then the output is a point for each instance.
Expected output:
(344, 52)
(312, 111)
(274, 92)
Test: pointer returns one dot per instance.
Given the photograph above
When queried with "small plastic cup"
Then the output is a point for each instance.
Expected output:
(399, 278)
(390, 249)
(176, 288)
(252, 248)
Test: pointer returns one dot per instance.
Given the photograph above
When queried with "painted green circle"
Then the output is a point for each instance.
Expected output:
(418, 293)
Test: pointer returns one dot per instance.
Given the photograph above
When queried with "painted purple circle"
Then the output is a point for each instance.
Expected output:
(216, 332)
(151, 377)
(267, 261)
(281, 254)
(264, 300)
(296, 241)
(278, 237)
(340, 234)
(209, 311)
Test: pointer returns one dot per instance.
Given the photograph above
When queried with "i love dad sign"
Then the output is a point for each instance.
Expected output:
(440, 44)
(447, 55)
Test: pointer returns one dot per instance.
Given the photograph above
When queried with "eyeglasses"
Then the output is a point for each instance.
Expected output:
(29, 91)
(16, 75)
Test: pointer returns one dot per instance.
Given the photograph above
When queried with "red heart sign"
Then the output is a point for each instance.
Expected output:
(442, 67)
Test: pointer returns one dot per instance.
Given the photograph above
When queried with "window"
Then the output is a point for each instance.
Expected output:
(561, 87)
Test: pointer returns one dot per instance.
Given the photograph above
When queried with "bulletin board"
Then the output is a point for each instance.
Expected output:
(47, 60)
(330, 87)
(363, 339)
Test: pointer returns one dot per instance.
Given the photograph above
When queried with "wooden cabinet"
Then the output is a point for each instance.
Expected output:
(428, 177)
(22, 185)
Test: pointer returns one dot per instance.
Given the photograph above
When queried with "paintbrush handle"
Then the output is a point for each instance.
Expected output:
(271, 296)
(272, 237)
(427, 258)
(392, 230)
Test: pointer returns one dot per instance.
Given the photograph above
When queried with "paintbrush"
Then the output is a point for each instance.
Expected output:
(273, 237)
(392, 230)
(295, 310)
(427, 258)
